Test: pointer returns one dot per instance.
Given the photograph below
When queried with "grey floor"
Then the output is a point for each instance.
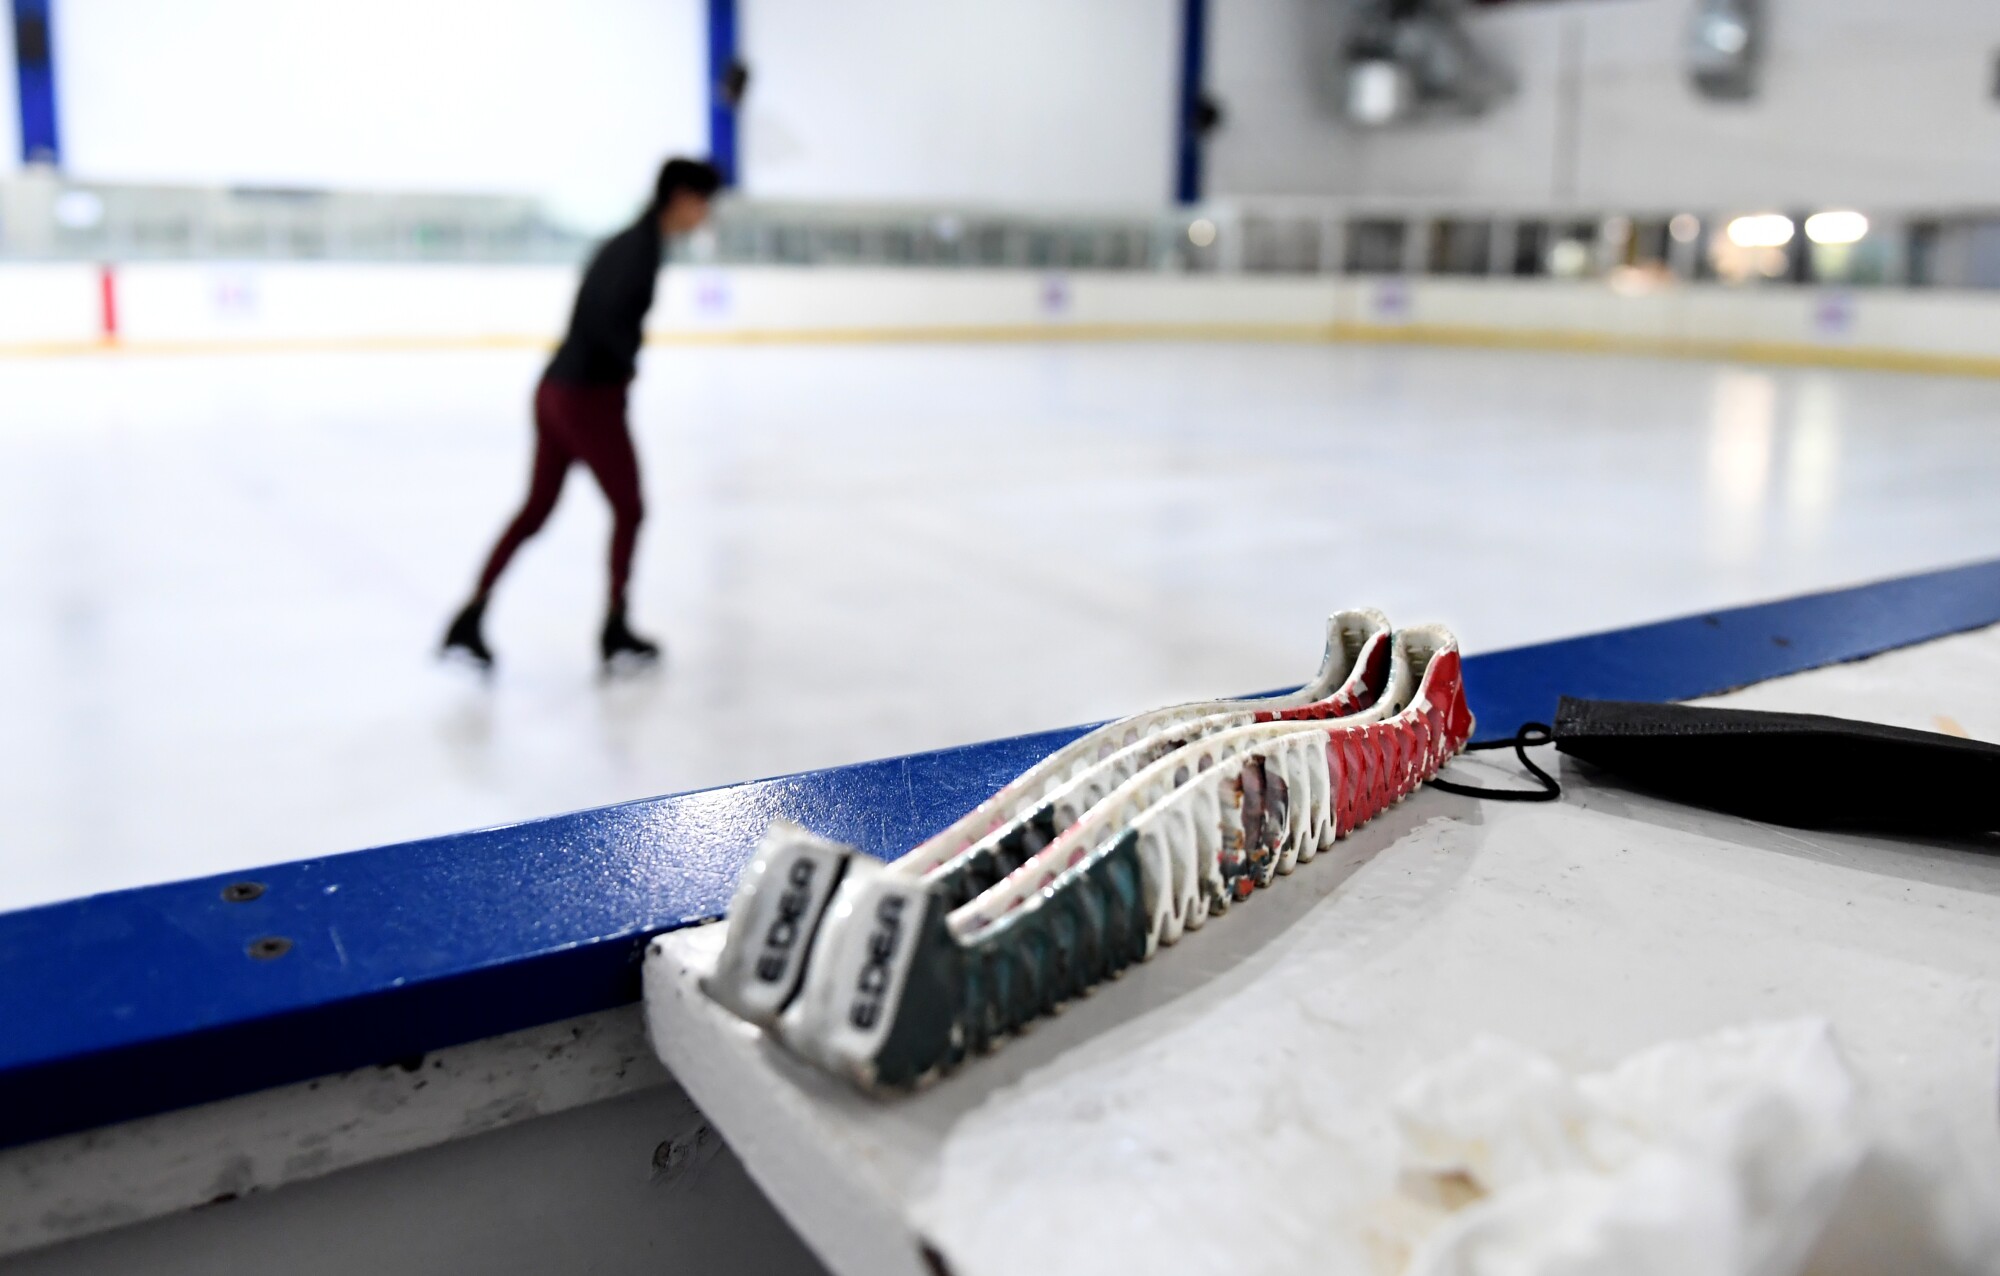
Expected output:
(221, 577)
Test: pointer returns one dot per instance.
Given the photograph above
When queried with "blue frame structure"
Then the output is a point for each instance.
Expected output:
(143, 1000)
(35, 79)
(1187, 136)
(722, 54)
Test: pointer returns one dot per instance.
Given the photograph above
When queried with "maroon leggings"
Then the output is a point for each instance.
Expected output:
(578, 423)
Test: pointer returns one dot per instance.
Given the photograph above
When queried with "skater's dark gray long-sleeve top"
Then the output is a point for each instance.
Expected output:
(602, 347)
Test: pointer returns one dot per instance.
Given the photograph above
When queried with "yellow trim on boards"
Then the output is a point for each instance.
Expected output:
(267, 345)
(1875, 358)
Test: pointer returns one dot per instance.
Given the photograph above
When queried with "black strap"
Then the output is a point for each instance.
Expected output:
(1530, 734)
(1796, 769)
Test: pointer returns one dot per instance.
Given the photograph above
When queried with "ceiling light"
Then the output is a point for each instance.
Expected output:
(1836, 228)
(1762, 230)
(1726, 33)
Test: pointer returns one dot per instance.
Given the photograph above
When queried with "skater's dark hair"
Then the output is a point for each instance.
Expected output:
(696, 177)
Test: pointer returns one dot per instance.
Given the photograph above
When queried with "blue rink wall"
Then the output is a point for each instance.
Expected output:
(145, 1000)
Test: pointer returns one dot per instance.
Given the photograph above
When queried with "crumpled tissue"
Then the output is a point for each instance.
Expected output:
(1726, 1155)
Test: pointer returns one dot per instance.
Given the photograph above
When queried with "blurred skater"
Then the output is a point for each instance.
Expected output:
(580, 406)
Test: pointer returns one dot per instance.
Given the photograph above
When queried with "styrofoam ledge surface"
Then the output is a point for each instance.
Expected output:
(1223, 1109)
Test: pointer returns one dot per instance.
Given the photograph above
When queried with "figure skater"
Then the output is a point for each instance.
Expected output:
(580, 407)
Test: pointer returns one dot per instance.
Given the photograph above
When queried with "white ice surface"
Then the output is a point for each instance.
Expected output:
(1229, 1107)
(221, 576)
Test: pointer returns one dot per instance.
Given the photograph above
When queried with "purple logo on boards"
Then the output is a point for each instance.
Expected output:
(1055, 295)
(1391, 301)
(1833, 314)
(711, 296)
(235, 295)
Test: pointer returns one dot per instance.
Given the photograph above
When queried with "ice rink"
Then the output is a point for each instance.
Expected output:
(850, 552)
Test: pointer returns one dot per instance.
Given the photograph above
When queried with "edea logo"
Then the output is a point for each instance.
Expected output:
(784, 930)
(874, 981)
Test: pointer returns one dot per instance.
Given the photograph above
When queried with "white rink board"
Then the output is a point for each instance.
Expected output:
(1224, 1108)
(234, 305)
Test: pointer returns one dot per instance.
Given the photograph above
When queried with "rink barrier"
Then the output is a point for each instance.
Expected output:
(1790, 354)
(146, 1000)
(53, 309)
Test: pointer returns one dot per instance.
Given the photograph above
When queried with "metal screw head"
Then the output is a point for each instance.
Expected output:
(269, 948)
(242, 892)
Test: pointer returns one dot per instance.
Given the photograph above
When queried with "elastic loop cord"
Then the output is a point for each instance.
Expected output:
(1530, 734)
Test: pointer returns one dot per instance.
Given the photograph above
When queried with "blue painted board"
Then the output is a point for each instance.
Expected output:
(722, 54)
(35, 81)
(143, 1000)
(1187, 130)
(1721, 650)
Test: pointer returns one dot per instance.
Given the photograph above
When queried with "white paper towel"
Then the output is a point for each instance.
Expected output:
(1725, 1155)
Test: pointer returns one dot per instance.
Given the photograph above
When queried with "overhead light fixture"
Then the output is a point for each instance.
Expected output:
(1725, 33)
(1836, 227)
(1407, 59)
(1378, 92)
(1685, 228)
(1761, 230)
(1723, 50)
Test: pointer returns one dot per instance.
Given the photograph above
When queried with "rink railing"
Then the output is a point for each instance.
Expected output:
(44, 218)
